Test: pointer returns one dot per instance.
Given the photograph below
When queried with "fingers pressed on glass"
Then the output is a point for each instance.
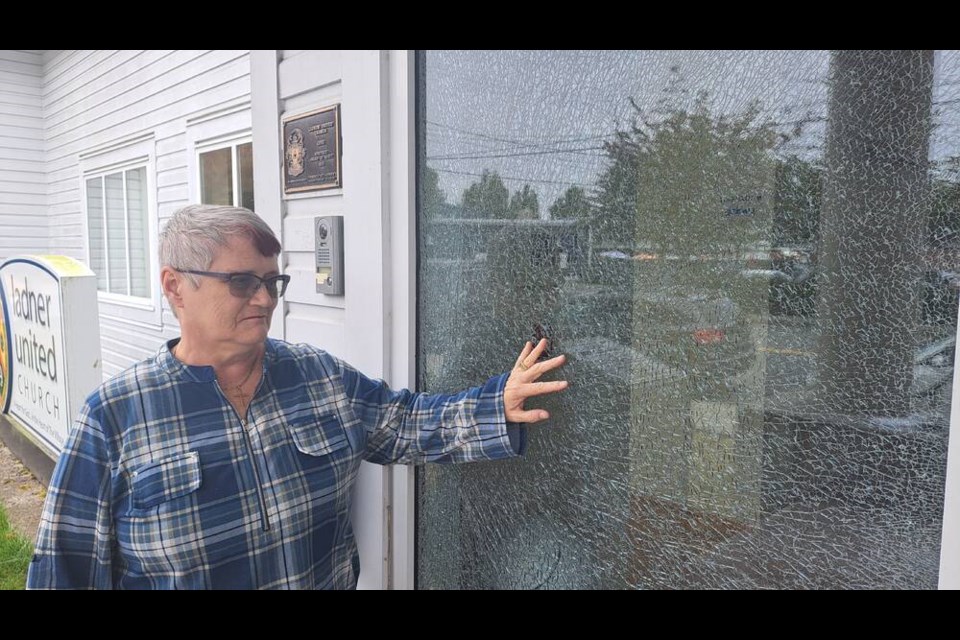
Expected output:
(539, 349)
(528, 359)
(534, 415)
(541, 388)
(553, 362)
(527, 348)
(547, 365)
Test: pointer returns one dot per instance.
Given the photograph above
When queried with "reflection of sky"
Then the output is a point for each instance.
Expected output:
(945, 141)
(541, 117)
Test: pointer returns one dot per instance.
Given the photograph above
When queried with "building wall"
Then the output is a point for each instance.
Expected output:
(103, 106)
(309, 80)
(23, 222)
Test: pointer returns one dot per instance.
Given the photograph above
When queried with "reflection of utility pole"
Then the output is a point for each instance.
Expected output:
(874, 208)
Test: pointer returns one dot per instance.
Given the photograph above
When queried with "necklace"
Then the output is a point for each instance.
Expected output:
(238, 388)
(242, 402)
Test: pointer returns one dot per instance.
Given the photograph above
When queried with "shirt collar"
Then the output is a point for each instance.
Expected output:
(202, 373)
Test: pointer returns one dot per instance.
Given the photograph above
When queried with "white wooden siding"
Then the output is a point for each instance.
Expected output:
(308, 80)
(23, 198)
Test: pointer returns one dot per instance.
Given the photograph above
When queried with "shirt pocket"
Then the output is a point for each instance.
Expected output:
(318, 435)
(164, 480)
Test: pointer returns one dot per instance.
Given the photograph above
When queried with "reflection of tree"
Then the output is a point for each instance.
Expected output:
(798, 195)
(432, 199)
(488, 198)
(616, 198)
(524, 204)
(688, 182)
(573, 204)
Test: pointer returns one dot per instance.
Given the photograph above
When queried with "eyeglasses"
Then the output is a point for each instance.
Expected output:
(246, 285)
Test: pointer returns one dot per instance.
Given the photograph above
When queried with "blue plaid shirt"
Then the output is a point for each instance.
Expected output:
(161, 484)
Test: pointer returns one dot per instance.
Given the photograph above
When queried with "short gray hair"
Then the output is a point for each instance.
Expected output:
(195, 234)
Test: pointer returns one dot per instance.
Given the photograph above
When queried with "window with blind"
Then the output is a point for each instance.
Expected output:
(117, 232)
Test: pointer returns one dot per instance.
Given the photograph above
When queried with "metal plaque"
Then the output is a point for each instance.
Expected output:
(311, 151)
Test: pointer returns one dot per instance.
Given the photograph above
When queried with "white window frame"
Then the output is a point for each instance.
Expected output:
(230, 142)
(949, 549)
(401, 169)
(117, 157)
(223, 126)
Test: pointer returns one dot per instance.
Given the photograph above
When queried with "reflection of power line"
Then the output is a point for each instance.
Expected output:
(524, 144)
(546, 150)
(521, 143)
(520, 153)
(514, 146)
(782, 123)
(515, 179)
(507, 153)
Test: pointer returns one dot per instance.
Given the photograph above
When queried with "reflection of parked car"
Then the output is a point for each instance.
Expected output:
(780, 265)
(701, 331)
(791, 275)
(693, 315)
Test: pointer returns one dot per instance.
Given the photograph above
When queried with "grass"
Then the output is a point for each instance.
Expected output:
(15, 554)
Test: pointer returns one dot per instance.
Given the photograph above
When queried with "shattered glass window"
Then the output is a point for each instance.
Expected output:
(752, 262)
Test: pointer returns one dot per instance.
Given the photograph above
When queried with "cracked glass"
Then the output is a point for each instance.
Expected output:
(752, 262)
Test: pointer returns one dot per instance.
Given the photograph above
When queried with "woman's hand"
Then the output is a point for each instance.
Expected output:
(522, 383)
